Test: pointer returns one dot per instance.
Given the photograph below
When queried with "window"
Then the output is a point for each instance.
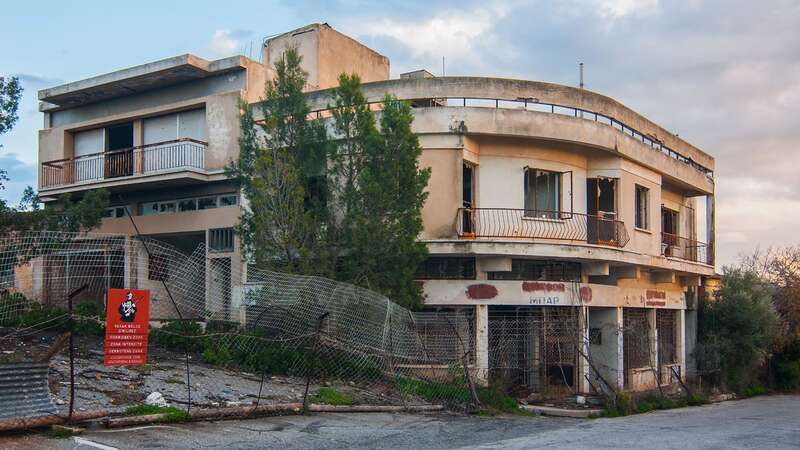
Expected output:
(220, 240)
(158, 267)
(149, 208)
(166, 207)
(642, 207)
(189, 204)
(542, 193)
(446, 268)
(207, 203)
(227, 200)
(539, 270)
(115, 212)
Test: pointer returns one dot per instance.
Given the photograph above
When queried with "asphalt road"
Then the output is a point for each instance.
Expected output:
(763, 422)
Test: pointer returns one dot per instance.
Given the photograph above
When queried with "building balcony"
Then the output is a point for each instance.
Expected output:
(151, 159)
(675, 246)
(505, 223)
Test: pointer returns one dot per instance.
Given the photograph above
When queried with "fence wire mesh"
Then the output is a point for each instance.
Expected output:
(222, 337)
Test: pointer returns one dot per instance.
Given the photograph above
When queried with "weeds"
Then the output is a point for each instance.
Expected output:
(172, 414)
(330, 396)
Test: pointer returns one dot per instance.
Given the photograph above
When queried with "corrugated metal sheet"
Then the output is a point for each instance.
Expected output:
(24, 391)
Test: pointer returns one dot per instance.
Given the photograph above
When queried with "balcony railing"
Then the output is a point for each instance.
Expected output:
(142, 160)
(530, 224)
(684, 248)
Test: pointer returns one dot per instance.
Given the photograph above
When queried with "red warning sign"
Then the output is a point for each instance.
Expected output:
(127, 322)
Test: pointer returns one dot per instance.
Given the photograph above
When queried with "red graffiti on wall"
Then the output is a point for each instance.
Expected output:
(532, 286)
(655, 303)
(651, 294)
(481, 291)
(586, 294)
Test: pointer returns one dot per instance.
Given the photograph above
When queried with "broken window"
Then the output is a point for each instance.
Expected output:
(542, 193)
(446, 268)
(642, 207)
(538, 270)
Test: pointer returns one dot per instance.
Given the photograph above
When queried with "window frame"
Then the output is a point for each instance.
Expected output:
(531, 195)
(642, 211)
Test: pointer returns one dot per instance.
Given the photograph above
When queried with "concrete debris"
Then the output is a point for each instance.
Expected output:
(155, 399)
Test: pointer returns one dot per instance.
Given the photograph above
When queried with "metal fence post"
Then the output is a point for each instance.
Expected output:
(313, 365)
(71, 322)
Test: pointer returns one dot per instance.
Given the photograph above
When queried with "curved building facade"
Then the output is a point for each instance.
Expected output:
(576, 232)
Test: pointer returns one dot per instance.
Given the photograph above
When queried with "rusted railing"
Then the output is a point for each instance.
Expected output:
(145, 159)
(533, 104)
(684, 248)
(532, 224)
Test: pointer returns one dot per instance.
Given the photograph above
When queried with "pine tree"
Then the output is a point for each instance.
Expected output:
(282, 227)
(383, 191)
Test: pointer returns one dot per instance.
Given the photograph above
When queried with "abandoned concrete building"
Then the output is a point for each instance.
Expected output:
(550, 207)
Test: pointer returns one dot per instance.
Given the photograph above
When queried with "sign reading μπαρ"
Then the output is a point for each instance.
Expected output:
(127, 322)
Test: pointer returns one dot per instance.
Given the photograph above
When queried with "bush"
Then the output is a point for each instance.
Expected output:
(178, 335)
(737, 329)
(786, 366)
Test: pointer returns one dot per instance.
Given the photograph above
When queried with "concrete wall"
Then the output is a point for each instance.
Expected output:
(326, 54)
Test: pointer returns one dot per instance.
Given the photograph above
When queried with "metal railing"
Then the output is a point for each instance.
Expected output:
(141, 160)
(675, 246)
(531, 224)
(533, 104)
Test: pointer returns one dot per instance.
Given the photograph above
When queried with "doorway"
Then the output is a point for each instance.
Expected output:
(601, 208)
(669, 231)
(468, 200)
(119, 150)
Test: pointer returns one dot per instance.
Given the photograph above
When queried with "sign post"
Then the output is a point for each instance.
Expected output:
(127, 323)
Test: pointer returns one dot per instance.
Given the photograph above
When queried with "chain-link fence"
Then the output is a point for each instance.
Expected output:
(220, 336)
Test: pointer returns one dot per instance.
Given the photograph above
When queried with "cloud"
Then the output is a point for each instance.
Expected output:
(228, 42)
(37, 80)
(454, 34)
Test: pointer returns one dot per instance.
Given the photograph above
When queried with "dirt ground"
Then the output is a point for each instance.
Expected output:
(116, 388)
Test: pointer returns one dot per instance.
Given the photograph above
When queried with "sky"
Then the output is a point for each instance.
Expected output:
(723, 74)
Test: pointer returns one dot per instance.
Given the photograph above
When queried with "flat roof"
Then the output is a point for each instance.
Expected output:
(143, 77)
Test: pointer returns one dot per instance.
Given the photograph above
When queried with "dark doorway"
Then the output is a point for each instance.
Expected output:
(119, 150)
(669, 231)
(468, 198)
(601, 208)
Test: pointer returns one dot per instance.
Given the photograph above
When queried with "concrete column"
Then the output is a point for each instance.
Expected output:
(482, 345)
(680, 340)
(620, 350)
(583, 365)
(653, 337)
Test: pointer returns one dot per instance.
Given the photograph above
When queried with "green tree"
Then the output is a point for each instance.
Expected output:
(10, 95)
(65, 215)
(381, 194)
(281, 170)
(738, 328)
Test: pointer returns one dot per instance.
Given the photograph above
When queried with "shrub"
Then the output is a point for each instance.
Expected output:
(173, 414)
(738, 328)
(178, 335)
(786, 366)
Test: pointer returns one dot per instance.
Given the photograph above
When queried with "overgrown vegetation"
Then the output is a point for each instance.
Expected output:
(331, 396)
(319, 202)
(737, 329)
(173, 414)
(627, 404)
(18, 311)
